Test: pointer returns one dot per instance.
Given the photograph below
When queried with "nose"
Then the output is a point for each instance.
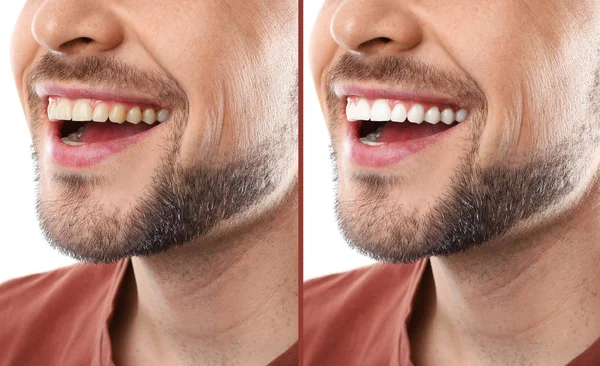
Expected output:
(375, 26)
(77, 27)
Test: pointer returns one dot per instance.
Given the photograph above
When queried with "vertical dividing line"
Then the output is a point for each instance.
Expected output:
(300, 179)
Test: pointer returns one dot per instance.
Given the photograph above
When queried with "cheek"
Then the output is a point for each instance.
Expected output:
(23, 51)
(322, 50)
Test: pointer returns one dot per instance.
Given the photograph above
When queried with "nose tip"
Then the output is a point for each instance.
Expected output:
(76, 27)
(369, 27)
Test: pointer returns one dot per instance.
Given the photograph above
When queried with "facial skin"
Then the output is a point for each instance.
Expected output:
(528, 72)
(226, 156)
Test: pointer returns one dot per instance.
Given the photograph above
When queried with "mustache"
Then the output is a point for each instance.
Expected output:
(406, 71)
(105, 71)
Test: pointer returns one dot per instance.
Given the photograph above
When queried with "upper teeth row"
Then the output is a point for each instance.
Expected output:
(81, 110)
(381, 111)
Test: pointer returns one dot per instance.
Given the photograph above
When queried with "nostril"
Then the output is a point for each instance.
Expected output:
(76, 43)
(374, 43)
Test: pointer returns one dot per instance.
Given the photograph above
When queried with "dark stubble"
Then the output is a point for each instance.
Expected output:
(183, 204)
(482, 204)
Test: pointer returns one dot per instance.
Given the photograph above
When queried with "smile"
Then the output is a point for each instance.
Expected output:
(85, 127)
(384, 127)
(384, 121)
(84, 121)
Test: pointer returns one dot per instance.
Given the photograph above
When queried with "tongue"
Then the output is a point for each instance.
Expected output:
(98, 132)
(402, 132)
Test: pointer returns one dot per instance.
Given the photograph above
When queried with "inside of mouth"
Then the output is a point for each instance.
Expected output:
(90, 132)
(390, 132)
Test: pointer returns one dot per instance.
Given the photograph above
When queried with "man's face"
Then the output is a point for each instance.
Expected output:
(187, 118)
(500, 107)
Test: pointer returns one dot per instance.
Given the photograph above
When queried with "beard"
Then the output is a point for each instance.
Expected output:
(483, 203)
(182, 204)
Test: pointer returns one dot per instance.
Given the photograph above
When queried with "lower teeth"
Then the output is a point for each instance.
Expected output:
(68, 141)
(370, 142)
(73, 138)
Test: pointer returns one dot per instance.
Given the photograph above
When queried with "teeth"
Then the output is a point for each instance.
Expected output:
(363, 111)
(416, 114)
(134, 115)
(379, 110)
(68, 141)
(63, 111)
(448, 116)
(399, 113)
(83, 110)
(461, 115)
(118, 114)
(52, 107)
(163, 115)
(433, 115)
(368, 142)
(149, 116)
(373, 136)
(100, 113)
(351, 111)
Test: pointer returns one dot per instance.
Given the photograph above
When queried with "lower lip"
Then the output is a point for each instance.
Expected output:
(90, 154)
(389, 154)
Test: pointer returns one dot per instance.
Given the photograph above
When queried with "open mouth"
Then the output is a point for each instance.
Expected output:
(383, 121)
(87, 121)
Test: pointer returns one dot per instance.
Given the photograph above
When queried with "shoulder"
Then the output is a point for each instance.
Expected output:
(44, 311)
(337, 290)
(35, 292)
(349, 312)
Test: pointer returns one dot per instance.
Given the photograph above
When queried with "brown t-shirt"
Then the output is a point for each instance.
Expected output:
(61, 318)
(361, 318)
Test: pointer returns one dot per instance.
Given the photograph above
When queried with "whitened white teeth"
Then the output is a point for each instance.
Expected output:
(433, 115)
(80, 110)
(382, 110)
(447, 116)
(371, 138)
(399, 113)
(416, 114)
(461, 115)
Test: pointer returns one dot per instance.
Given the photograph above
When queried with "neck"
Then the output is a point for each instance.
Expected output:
(532, 300)
(234, 302)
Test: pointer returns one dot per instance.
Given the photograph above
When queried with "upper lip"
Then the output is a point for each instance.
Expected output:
(45, 90)
(345, 90)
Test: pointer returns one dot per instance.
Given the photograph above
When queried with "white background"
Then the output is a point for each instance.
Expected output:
(325, 251)
(23, 249)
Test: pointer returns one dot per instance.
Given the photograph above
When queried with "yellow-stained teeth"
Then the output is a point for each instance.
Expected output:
(52, 107)
(118, 114)
(163, 115)
(63, 111)
(149, 116)
(82, 111)
(134, 115)
(100, 113)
